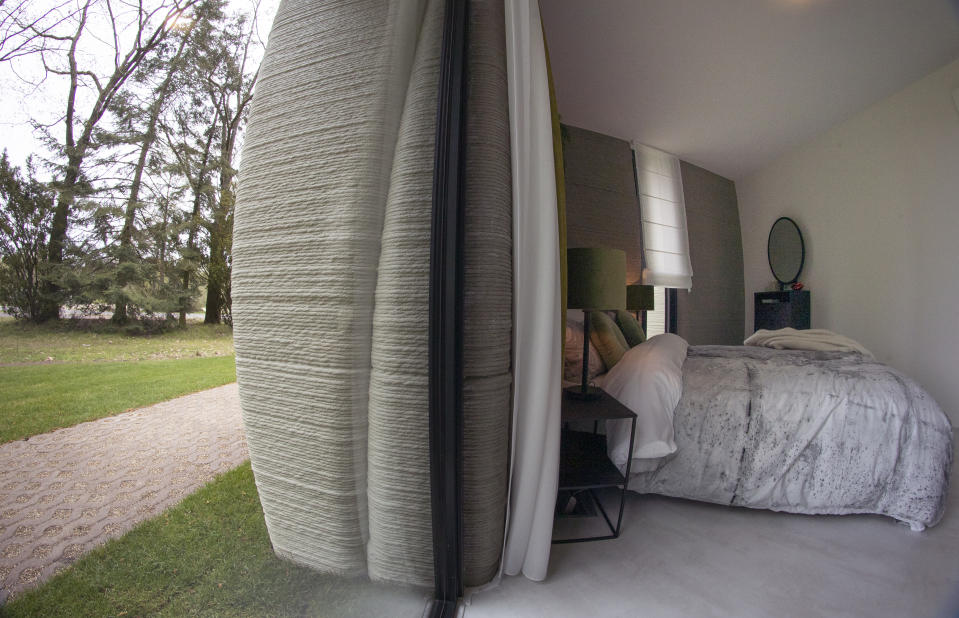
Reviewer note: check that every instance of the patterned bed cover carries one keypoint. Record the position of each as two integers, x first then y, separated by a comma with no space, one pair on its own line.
805,432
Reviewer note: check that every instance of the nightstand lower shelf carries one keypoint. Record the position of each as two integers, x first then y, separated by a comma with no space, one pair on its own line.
584,462
588,506
585,467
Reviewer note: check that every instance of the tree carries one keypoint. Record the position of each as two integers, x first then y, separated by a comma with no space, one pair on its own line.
135,32
23,32
158,92
193,152
229,81
170,67
26,215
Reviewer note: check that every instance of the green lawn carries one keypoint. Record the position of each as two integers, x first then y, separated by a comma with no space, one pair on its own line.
208,556
36,399
93,341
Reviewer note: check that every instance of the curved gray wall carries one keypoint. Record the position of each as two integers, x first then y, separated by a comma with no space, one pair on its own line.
338,104
331,286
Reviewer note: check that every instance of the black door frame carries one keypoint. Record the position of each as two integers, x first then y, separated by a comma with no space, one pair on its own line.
446,316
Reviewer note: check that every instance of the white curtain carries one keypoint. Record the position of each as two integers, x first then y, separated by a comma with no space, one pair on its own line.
536,279
663,210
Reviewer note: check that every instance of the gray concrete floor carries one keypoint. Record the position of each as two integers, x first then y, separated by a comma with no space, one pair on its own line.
683,558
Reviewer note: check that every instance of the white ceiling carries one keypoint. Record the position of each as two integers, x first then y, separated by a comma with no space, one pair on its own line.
731,84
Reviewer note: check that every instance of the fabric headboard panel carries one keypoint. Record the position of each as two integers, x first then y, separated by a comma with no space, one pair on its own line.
602,209
713,311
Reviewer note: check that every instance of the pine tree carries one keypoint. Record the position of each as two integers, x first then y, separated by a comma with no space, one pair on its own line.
57,38
229,81
26,215
168,67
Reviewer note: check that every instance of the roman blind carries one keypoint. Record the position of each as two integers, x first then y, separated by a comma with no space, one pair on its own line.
663,212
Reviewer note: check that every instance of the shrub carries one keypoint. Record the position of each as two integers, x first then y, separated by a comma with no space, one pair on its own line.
26,214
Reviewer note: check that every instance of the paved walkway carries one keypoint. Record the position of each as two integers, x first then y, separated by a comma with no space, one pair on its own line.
65,492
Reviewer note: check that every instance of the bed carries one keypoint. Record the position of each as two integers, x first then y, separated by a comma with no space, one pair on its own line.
799,431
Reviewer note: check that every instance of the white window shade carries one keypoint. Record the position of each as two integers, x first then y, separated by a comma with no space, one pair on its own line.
663,212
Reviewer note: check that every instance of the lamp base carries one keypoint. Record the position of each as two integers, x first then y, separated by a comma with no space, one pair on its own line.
576,392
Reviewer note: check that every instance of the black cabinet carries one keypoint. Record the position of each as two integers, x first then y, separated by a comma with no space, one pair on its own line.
781,309
583,464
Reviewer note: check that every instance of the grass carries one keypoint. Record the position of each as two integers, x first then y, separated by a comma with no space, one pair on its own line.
97,341
62,373
210,555
39,398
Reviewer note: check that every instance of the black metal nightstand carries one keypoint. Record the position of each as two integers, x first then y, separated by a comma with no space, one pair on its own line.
583,463
775,310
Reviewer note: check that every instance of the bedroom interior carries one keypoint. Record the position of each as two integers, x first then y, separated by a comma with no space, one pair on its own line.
860,176
425,439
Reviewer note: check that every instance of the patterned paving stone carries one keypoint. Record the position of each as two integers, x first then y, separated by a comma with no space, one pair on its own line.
65,492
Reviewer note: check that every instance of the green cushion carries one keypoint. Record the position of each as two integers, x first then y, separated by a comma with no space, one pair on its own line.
606,336
630,328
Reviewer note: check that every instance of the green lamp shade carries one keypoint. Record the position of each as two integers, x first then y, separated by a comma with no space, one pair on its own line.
640,298
596,278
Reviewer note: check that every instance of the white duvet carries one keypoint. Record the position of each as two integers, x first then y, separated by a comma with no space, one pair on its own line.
789,430
649,381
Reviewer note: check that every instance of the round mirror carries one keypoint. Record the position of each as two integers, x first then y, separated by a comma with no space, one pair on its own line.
786,250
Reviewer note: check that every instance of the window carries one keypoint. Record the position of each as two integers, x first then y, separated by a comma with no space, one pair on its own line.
656,318
663,211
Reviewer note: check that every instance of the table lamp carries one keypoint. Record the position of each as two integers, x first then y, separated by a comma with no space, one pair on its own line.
640,298
596,281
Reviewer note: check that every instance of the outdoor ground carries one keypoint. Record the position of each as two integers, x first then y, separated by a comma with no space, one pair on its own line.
96,340
208,555
58,375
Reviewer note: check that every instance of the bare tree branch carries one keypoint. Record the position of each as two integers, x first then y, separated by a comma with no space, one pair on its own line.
23,34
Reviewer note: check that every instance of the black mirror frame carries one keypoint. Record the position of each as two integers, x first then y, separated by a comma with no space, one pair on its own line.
802,244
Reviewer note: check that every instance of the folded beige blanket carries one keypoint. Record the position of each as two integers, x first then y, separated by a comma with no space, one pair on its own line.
809,339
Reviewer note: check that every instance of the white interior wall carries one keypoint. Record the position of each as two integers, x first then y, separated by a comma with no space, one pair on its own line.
877,199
